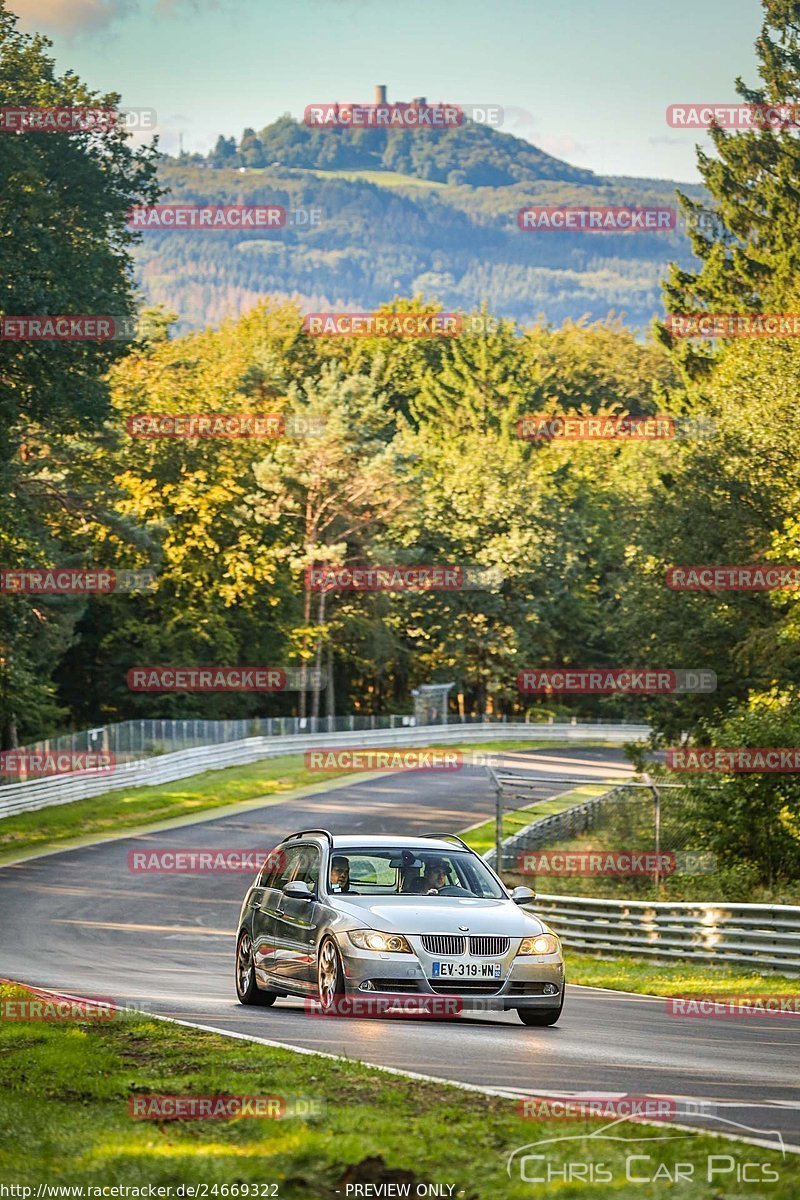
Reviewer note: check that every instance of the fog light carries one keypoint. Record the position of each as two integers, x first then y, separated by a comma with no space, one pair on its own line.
550,989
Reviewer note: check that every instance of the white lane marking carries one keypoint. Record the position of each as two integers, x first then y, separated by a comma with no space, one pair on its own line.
195,930
605,1095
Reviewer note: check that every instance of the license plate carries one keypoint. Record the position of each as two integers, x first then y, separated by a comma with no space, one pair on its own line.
467,970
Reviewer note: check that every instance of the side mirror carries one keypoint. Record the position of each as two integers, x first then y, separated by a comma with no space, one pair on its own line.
298,890
523,895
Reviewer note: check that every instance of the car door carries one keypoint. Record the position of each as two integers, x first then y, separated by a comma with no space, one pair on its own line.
269,894
296,922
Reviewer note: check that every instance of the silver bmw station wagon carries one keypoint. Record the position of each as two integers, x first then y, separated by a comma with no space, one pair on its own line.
335,917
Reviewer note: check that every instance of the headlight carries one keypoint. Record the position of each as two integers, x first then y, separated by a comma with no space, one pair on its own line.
545,943
370,939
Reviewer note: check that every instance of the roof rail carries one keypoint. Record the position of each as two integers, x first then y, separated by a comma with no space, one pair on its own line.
444,836
304,833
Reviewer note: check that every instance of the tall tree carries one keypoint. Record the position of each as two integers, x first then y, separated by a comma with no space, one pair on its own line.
751,262
64,249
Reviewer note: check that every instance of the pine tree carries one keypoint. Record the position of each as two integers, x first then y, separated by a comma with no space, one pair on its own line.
752,262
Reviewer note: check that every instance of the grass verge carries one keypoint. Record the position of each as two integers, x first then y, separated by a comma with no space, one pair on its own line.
65,1119
675,979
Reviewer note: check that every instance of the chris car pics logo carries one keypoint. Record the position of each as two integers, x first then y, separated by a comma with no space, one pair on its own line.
614,1154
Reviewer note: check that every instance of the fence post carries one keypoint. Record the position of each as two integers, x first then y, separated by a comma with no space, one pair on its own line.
498,820
656,831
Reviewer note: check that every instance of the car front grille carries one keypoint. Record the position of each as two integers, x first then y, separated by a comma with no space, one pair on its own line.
466,987
488,947
444,943
451,945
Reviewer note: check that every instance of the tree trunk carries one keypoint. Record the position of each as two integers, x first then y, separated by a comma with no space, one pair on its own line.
318,658
330,700
306,622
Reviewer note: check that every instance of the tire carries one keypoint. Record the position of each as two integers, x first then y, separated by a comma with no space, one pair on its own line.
247,990
541,1016
330,976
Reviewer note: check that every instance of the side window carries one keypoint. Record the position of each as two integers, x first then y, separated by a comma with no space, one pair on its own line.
281,871
308,867
272,869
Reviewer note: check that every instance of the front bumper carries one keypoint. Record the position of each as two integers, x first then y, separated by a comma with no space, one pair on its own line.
527,981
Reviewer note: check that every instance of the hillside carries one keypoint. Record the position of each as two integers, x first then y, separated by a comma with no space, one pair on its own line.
462,154
430,212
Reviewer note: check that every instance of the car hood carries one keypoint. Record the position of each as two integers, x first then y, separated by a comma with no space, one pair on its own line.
442,915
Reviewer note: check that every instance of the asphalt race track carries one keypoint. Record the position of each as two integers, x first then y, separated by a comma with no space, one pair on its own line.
81,922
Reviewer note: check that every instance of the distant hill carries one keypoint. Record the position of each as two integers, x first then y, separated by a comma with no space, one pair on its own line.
462,154
431,212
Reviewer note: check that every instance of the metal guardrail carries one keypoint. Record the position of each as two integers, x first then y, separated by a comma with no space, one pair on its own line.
765,936
761,935
146,737
165,768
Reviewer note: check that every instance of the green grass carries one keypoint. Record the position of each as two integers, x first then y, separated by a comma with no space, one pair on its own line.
64,1120
135,808
674,979
482,837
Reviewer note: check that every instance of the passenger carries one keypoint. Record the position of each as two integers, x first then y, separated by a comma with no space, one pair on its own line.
340,873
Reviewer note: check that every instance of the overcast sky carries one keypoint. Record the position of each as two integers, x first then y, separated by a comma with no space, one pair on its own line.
587,80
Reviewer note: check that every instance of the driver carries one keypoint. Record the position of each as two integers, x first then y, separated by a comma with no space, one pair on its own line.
340,873
433,877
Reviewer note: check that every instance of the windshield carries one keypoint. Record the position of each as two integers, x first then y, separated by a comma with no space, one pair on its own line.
398,871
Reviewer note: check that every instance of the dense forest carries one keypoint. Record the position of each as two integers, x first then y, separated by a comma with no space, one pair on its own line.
415,456
396,213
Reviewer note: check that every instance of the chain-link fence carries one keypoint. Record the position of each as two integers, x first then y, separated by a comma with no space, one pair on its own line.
130,741
629,839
